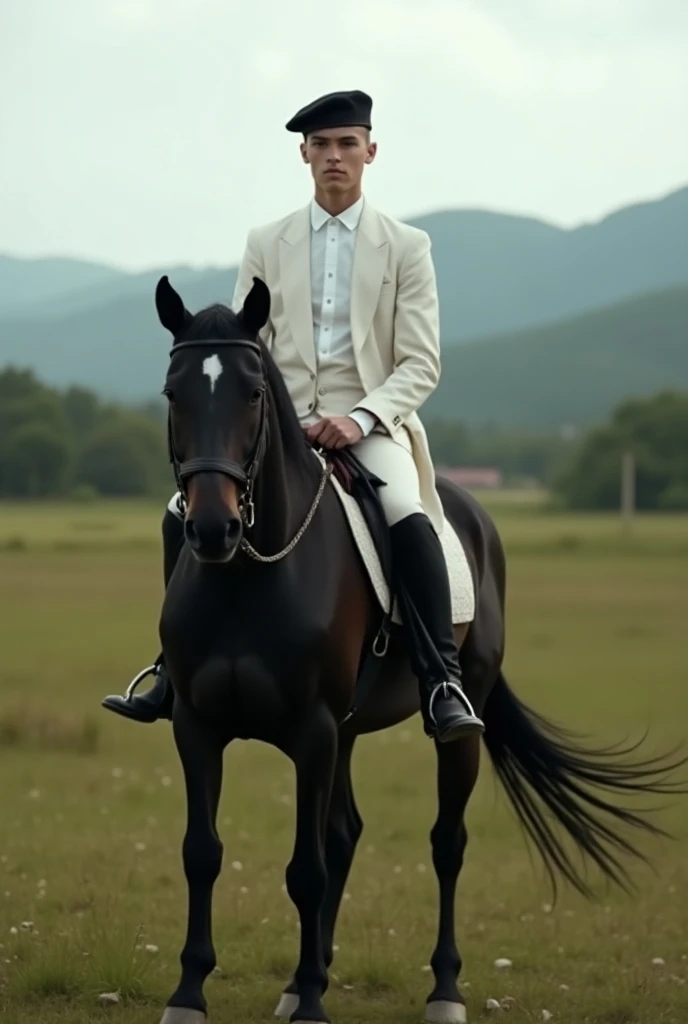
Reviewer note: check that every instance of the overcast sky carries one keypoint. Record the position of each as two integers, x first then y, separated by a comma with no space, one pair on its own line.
148,132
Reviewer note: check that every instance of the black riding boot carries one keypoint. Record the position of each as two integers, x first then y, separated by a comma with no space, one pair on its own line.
158,701
425,603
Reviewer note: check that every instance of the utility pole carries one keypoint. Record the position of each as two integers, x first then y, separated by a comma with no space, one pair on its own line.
627,491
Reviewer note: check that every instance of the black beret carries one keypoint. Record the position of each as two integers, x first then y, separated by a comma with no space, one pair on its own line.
335,110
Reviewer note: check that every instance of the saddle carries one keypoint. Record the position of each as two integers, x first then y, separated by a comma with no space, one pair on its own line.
362,485
357,489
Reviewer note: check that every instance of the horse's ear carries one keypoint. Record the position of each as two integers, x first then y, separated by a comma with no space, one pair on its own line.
170,306
256,309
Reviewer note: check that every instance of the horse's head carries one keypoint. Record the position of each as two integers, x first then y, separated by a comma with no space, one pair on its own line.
216,390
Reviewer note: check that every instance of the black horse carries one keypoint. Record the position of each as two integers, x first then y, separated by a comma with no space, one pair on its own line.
267,619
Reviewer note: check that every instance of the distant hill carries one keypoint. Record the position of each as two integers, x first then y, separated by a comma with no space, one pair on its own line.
495,272
27,284
75,322
568,373
498,274
200,286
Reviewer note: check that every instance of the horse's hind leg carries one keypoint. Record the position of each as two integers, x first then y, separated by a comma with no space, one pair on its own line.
344,827
201,756
457,771
314,755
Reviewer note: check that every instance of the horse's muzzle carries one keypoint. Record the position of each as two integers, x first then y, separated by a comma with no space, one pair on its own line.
213,538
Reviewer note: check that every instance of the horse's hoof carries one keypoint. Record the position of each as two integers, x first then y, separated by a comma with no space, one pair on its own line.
287,1005
441,1011
180,1015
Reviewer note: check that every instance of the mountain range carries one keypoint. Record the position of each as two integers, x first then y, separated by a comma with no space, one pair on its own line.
571,373
541,325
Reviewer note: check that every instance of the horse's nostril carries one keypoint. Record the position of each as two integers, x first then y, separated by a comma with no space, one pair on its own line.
233,531
212,537
190,533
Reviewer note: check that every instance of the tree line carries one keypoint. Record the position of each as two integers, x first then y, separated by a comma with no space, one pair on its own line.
72,444
655,431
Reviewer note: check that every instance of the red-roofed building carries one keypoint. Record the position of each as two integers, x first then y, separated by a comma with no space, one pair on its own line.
488,479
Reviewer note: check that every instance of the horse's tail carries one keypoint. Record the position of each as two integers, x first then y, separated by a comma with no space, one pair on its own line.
548,776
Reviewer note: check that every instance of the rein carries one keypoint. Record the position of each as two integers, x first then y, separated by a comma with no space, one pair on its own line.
257,557
244,475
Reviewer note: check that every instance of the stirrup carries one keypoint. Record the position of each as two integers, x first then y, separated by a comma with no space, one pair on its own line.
445,688
152,670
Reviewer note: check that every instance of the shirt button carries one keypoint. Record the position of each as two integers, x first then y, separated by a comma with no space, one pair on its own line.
321,391
312,376
329,301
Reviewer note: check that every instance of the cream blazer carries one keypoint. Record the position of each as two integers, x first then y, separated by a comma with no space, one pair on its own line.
394,322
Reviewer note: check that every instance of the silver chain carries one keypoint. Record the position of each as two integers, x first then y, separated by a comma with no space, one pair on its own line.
256,556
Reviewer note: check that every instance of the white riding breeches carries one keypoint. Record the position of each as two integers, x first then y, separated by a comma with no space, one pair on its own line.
393,463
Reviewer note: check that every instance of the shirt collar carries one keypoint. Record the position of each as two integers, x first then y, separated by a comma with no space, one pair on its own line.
349,217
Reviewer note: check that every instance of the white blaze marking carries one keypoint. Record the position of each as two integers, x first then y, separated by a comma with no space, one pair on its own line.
212,368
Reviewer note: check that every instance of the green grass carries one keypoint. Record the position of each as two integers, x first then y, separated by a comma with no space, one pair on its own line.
93,807
526,526
89,526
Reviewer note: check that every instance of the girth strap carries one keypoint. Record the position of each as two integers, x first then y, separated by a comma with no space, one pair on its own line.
372,667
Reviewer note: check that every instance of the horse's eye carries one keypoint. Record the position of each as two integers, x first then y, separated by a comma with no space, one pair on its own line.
168,394
256,396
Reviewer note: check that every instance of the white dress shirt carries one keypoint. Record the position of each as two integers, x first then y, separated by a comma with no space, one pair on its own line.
333,240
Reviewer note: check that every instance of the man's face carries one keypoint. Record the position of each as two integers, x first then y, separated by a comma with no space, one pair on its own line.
337,157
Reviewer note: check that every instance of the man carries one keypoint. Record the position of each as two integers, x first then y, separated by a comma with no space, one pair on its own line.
354,329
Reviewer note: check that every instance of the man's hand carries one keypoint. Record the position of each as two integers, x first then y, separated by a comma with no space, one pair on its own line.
334,432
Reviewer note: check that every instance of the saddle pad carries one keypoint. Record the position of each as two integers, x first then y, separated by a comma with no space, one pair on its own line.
460,579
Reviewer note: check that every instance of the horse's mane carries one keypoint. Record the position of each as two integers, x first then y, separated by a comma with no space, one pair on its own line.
219,321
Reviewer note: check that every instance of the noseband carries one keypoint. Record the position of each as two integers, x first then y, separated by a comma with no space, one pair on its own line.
244,475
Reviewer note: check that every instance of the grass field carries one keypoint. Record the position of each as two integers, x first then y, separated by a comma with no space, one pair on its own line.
526,526
92,896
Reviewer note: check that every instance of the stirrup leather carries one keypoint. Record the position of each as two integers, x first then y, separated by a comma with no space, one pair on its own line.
445,688
152,670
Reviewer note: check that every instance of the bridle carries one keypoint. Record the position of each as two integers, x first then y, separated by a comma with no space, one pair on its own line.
244,475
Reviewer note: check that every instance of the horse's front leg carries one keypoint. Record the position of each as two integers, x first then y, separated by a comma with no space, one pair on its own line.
343,830
314,755
201,753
